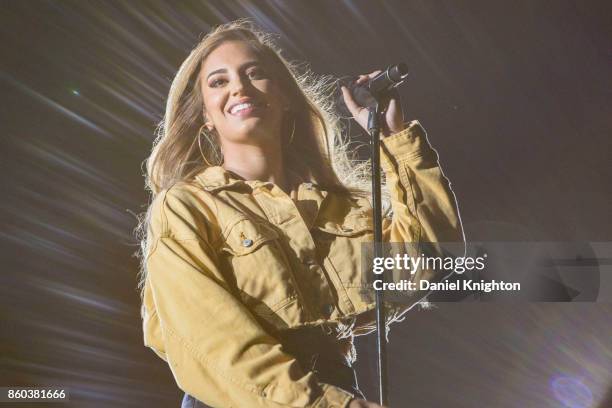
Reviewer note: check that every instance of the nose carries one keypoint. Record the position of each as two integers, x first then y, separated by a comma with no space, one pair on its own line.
238,85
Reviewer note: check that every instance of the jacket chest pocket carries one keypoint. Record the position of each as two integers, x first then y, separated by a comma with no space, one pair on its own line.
259,266
342,246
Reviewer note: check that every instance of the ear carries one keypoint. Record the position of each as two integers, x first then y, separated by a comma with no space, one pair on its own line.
208,123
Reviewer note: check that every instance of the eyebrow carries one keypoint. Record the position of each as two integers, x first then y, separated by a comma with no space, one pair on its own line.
242,67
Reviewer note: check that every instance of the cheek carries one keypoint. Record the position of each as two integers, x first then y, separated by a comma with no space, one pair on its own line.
213,104
275,94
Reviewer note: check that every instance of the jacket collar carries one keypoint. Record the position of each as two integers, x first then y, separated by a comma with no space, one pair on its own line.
307,195
216,178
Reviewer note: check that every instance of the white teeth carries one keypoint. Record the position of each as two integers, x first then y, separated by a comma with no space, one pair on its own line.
240,106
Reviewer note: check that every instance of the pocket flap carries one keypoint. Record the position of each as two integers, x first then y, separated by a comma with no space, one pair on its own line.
245,236
351,226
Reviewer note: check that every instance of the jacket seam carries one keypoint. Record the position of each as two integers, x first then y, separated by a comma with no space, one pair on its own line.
344,296
216,243
411,196
282,303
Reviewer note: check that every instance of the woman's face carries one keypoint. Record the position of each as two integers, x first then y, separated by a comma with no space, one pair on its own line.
242,100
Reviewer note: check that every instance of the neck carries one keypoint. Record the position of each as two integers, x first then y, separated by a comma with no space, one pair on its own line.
254,162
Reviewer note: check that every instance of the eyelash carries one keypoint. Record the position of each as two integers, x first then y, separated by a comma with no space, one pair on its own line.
256,72
215,83
252,74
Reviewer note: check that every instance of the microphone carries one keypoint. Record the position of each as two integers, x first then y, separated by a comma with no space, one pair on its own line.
389,78
367,94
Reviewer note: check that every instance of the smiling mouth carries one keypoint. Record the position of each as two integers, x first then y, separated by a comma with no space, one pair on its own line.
245,108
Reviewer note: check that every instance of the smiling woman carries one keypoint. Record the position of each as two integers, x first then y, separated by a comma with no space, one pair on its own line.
213,70
251,278
245,106
241,90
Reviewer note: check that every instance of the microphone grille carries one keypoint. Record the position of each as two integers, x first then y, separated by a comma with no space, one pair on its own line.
398,72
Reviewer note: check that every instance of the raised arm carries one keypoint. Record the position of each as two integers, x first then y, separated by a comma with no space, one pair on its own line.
424,206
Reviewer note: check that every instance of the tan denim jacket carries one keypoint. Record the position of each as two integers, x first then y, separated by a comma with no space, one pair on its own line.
231,259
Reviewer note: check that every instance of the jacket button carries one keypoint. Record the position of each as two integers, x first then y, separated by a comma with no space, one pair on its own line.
313,266
247,242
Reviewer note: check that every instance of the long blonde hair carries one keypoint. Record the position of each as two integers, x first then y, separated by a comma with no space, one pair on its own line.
317,149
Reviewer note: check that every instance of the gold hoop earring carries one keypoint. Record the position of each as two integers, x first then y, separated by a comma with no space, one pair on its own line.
201,131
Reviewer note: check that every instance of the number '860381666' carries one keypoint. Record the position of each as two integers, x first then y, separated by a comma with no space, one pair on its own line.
36,393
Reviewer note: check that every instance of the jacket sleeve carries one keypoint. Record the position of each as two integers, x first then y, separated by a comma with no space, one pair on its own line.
424,208
215,348
423,204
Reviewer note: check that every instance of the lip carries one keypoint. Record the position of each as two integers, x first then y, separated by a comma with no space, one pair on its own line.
256,105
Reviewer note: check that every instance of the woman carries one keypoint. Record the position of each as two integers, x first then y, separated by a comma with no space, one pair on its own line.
252,288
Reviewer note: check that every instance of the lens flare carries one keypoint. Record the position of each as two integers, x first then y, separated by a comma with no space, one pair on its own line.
571,392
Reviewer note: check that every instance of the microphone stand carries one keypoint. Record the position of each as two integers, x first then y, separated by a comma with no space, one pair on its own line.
374,121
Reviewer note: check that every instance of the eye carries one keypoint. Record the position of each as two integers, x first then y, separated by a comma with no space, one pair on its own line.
256,73
217,82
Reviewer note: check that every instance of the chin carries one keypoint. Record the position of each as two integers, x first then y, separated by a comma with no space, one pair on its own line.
252,131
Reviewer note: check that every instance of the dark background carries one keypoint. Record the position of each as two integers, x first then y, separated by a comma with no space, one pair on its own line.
515,96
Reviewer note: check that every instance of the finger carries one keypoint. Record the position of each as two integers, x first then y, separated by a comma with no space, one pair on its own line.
366,77
374,73
362,79
349,101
